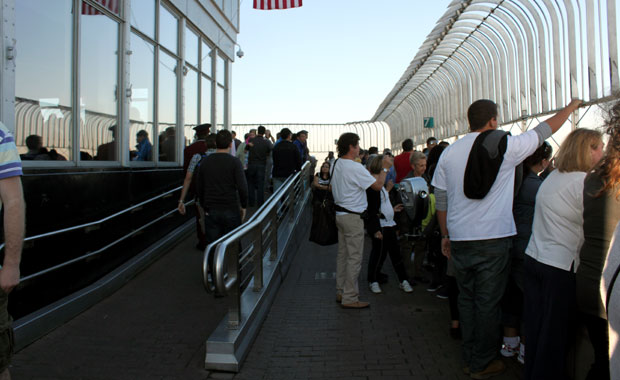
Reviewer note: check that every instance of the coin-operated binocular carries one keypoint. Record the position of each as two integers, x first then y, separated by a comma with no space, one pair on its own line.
414,194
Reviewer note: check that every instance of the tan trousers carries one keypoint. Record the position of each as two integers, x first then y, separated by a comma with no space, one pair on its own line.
350,253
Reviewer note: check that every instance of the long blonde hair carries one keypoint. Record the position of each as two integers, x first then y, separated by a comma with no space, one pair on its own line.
575,154
609,170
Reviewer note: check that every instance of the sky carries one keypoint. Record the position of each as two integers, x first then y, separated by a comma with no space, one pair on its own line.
329,61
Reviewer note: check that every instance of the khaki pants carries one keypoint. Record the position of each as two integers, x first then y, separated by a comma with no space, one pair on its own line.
350,253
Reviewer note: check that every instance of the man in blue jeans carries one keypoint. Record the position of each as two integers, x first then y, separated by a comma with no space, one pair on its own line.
260,148
474,187
222,189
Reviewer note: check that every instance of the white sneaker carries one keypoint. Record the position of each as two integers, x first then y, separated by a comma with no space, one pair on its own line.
521,356
406,287
509,351
374,287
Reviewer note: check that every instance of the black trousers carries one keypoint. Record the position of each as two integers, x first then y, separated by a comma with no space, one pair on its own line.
599,337
549,309
379,252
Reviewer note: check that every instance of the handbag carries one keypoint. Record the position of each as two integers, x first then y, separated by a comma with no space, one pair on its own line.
323,230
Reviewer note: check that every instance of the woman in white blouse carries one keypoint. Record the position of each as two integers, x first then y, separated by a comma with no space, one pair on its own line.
552,256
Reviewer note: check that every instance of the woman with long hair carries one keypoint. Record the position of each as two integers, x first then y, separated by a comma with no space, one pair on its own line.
552,256
382,228
601,213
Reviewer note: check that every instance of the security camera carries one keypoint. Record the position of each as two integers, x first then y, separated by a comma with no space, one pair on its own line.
240,53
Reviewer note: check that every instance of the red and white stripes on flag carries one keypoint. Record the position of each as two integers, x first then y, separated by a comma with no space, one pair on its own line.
111,5
276,4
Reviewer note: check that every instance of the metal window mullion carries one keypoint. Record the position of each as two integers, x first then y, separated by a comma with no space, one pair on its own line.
612,41
214,78
122,127
75,138
227,95
591,42
181,100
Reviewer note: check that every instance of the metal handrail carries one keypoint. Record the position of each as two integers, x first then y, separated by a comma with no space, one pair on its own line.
90,254
250,223
223,277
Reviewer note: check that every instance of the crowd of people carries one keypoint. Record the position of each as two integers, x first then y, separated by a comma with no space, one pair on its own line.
517,240
226,175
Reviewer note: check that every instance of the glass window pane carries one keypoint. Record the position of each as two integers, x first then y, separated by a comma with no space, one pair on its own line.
142,95
205,101
112,6
99,80
143,16
221,70
206,67
221,107
167,106
168,30
43,86
191,99
191,47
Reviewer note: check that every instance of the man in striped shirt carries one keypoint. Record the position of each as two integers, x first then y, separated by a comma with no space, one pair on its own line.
12,199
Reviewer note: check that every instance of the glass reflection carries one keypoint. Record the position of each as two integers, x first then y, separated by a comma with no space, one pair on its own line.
191,47
205,66
168,30
191,98
167,106
43,78
220,107
98,90
221,70
143,87
205,100
143,16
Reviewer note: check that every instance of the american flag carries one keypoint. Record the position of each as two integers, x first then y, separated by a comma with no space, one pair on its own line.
276,4
111,5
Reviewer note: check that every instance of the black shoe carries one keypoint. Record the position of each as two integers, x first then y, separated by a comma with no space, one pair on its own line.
382,278
442,293
433,287
455,333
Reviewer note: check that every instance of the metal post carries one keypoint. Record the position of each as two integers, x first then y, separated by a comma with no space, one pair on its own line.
234,307
257,256
273,216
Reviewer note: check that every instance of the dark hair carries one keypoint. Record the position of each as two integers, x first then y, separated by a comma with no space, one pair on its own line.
373,150
407,145
210,141
432,160
223,139
32,141
142,132
285,133
480,112
428,140
345,141
261,130
542,153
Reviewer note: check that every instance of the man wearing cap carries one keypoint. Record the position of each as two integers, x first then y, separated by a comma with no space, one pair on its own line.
198,147
107,151
301,144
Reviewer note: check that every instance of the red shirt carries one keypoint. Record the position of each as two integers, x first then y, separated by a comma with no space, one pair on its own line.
402,165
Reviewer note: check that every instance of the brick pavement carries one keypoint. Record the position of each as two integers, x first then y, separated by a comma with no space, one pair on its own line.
307,335
155,327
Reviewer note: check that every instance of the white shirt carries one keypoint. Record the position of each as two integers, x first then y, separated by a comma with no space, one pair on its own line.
490,217
557,231
386,209
349,183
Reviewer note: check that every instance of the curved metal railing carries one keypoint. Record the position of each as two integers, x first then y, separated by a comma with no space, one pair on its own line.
94,224
228,268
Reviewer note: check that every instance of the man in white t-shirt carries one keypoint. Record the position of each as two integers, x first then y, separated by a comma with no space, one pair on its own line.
476,233
349,182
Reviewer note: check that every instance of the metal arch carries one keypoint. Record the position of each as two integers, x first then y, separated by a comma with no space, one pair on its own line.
455,79
480,61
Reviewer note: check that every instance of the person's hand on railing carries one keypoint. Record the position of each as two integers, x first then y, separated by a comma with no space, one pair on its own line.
9,277
181,208
242,214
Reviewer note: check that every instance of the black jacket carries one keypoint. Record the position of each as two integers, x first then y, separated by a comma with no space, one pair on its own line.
286,159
